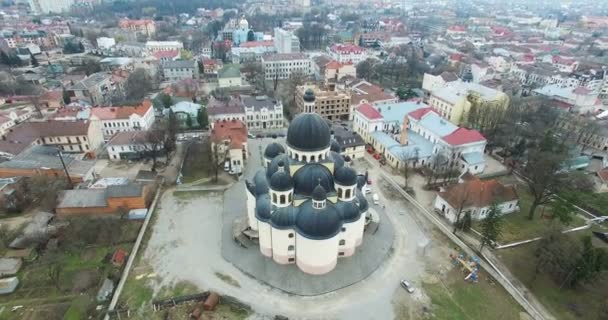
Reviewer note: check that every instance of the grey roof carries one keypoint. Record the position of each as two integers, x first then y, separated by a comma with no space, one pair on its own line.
347,138
91,81
179,64
145,175
82,198
37,156
9,266
125,190
259,102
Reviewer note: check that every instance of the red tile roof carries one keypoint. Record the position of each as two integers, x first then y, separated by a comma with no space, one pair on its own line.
232,130
22,136
110,113
463,136
119,257
478,193
419,113
582,90
252,44
166,54
346,48
369,112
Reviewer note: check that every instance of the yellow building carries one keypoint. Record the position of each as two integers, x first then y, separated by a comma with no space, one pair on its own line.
454,100
330,103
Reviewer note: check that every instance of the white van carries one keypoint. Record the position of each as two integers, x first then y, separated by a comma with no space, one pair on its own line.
227,166
376,199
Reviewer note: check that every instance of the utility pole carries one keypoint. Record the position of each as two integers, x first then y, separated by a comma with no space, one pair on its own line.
67,174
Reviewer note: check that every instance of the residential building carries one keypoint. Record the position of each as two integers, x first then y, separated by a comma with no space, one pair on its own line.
229,109
130,49
231,138
454,100
105,43
366,92
347,53
414,132
184,110
155,46
431,82
229,76
475,196
96,89
37,160
130,145
146,27
285,41
50,6
281,65
180,70
330,103
9,119
121,119
262,112
351,144
166,56
580,100
335,71
318,66
211,66
251,51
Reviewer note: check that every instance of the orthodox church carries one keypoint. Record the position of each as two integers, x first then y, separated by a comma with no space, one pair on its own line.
306,204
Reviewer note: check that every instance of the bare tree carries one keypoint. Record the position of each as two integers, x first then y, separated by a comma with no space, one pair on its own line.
462,199
217,156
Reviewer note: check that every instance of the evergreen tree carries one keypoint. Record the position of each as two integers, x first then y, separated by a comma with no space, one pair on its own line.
202,118
81,46
33,60
188,121
66,97
4,58
490,227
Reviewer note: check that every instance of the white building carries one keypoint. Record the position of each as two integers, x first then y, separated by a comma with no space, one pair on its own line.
475,196
347,53
105,43
581,99
285,41
155,46
122,119
129,145
282,65
179,70
50,6
307,207
262,112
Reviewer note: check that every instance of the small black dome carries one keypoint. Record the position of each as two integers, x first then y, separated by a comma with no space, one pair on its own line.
337,159
308,132
319,193
281,181
311,175
263,207
335,147
346,176
285,217
273,150
274,164
312,224
349,211
261,184
309,95
347,158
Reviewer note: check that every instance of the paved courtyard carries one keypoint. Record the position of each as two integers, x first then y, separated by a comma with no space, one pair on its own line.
186,245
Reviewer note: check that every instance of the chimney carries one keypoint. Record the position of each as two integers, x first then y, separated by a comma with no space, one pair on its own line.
403,139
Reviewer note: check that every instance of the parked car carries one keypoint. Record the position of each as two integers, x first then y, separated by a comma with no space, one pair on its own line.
369,181
227,166
407,286
376,199
259,136
250,136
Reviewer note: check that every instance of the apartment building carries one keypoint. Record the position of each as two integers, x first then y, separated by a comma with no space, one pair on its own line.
347,53
262,112
146,27
97,89
281,65
121,119
155,46
180,70
285,41
331,103
50,6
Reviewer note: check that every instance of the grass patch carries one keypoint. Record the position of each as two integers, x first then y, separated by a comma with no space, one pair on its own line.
596,203
516,226
188,195
588,301
456,299
228,279
136,292
196,163
181,288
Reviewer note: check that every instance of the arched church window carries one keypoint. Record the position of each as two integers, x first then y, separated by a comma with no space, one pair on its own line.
274,197
342,242
282,199
347,194
291,248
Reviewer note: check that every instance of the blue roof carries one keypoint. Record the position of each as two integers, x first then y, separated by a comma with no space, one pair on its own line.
417,145
473,158
436,124
392,112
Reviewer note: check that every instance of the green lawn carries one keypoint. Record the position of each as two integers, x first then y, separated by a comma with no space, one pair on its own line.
516,226
196,163
457,299
595,202
588,301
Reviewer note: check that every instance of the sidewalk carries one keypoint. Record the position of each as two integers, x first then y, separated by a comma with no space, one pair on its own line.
491,264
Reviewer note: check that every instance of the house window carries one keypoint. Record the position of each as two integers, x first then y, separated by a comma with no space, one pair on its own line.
341,254
292,259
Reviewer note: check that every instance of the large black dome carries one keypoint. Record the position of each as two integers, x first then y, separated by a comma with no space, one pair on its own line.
273,150
315,223
307,178
308,132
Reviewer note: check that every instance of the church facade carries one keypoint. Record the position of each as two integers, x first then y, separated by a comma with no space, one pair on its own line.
306,205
